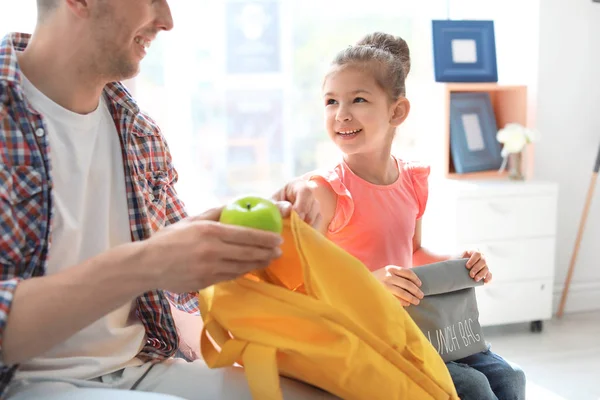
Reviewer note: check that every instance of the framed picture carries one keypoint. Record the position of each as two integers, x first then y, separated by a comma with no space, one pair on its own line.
464,51
473,129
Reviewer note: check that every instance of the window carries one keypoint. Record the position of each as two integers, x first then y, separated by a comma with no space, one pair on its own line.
17,16
235,86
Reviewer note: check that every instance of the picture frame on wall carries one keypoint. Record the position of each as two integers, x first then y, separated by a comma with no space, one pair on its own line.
473,128
464,51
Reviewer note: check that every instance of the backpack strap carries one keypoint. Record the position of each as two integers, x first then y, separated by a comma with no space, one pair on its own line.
259,361
231,351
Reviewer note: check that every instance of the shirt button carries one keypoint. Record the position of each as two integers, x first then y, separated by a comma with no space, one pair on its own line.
39,132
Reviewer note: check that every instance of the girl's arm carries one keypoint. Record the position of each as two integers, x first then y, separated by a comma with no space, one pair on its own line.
477,263
422,256
327,200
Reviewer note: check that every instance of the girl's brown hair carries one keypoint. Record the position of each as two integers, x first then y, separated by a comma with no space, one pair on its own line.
387,56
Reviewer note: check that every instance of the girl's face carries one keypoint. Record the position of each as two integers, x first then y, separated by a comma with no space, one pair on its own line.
359,116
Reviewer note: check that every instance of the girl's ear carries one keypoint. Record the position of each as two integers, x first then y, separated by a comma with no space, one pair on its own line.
399,111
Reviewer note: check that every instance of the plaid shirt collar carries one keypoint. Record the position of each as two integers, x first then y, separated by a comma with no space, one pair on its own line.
10,45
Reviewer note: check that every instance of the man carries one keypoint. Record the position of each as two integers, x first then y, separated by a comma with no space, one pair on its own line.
93,237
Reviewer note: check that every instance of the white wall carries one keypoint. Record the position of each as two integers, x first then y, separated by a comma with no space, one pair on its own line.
568,117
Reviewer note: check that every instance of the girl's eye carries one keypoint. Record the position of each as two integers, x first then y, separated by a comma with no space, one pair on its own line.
330,102
359,100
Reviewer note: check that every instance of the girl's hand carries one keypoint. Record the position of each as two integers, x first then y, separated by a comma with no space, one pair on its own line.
298,195
402,282
477,265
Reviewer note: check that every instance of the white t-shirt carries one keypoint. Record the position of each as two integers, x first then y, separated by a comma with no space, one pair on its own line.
90,217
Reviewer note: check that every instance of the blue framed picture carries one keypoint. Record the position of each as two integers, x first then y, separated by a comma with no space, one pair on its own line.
464,51
473,129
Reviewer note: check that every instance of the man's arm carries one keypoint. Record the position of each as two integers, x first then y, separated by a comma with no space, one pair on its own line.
190,255
48,310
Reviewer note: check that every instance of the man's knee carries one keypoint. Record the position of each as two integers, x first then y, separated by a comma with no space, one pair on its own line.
470,384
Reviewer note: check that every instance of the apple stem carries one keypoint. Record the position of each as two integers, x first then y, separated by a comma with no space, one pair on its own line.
248,206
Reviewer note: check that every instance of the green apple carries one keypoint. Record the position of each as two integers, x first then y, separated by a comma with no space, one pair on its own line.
253,212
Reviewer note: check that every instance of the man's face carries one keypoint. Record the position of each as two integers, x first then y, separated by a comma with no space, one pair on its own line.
122,30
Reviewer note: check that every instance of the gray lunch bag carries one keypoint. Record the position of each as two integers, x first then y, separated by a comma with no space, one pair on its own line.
448,314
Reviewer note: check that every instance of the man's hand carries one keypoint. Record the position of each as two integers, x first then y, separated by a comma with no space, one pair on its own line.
402,282
199,251
477,266
184,257
298,195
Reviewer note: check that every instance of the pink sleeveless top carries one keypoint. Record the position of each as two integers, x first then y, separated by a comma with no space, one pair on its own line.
376,223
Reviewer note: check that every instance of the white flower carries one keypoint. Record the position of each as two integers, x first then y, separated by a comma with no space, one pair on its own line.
515,137
532,135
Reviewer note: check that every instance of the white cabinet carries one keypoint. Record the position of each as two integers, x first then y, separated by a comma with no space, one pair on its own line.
514,225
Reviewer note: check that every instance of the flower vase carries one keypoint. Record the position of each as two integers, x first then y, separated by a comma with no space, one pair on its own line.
515,166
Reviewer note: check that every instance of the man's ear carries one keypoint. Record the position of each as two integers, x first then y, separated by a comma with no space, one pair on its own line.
400,110
80,8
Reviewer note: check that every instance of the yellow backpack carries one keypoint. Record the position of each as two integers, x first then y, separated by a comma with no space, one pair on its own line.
319,316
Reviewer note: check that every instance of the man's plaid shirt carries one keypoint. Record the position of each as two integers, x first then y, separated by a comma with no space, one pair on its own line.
26,198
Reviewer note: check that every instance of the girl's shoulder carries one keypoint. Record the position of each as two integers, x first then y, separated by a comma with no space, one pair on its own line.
333,196
418,174
416,169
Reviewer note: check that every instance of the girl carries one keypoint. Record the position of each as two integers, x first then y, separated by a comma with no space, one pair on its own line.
372,202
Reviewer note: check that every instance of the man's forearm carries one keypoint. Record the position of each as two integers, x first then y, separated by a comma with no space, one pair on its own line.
48,310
